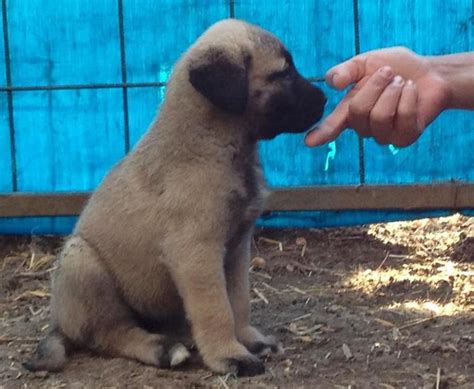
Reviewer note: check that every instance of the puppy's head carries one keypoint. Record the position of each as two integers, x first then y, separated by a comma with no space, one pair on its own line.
245,71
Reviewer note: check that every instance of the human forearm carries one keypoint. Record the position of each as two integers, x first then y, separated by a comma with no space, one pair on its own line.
457,70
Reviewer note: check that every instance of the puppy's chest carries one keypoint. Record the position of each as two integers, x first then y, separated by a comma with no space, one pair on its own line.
246,200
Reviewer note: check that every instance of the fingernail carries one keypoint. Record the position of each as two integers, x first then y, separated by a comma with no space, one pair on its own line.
334,78
308,135
311,130
397,81
386,71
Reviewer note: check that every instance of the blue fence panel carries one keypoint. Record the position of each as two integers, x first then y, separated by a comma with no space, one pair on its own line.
68,139
64,140
429,27
67,42
318,33
158,32
144,104
306,27
37,225
2,51
6,184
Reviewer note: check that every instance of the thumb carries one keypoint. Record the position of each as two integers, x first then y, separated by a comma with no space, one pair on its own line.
330,128
346,73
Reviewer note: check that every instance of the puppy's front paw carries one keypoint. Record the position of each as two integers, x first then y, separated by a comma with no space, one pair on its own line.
257,343
236,360
259,347
246,366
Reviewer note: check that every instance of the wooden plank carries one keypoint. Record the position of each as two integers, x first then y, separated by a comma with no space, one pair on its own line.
410,197
47,204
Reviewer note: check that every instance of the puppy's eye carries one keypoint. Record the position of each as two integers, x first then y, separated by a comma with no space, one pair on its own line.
279,75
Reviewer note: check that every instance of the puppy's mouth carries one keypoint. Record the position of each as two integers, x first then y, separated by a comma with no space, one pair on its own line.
271,132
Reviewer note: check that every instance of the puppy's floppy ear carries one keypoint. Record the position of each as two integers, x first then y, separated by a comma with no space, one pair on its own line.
222,78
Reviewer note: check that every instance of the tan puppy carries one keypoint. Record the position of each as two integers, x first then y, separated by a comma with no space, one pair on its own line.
167,234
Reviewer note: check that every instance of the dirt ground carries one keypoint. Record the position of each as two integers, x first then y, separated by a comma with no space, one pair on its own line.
382,306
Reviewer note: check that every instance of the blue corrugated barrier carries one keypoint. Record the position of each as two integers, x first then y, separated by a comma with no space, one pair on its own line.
66,139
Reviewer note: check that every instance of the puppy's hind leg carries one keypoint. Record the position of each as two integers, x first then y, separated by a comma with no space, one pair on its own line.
130,341
50,354
87,311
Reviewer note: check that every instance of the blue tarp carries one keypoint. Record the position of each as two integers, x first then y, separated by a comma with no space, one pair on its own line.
66,140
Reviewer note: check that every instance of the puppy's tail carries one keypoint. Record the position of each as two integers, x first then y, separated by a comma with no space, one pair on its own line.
51,353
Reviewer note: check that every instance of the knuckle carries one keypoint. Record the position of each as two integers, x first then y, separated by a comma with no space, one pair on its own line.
358,110
403,50
397,144
380,81
406,112
382,140
405,140
400,143
363,132
382,119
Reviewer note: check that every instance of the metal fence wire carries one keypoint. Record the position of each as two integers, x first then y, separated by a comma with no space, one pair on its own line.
125,85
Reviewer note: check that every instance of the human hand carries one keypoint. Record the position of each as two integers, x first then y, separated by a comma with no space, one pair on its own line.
395,95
